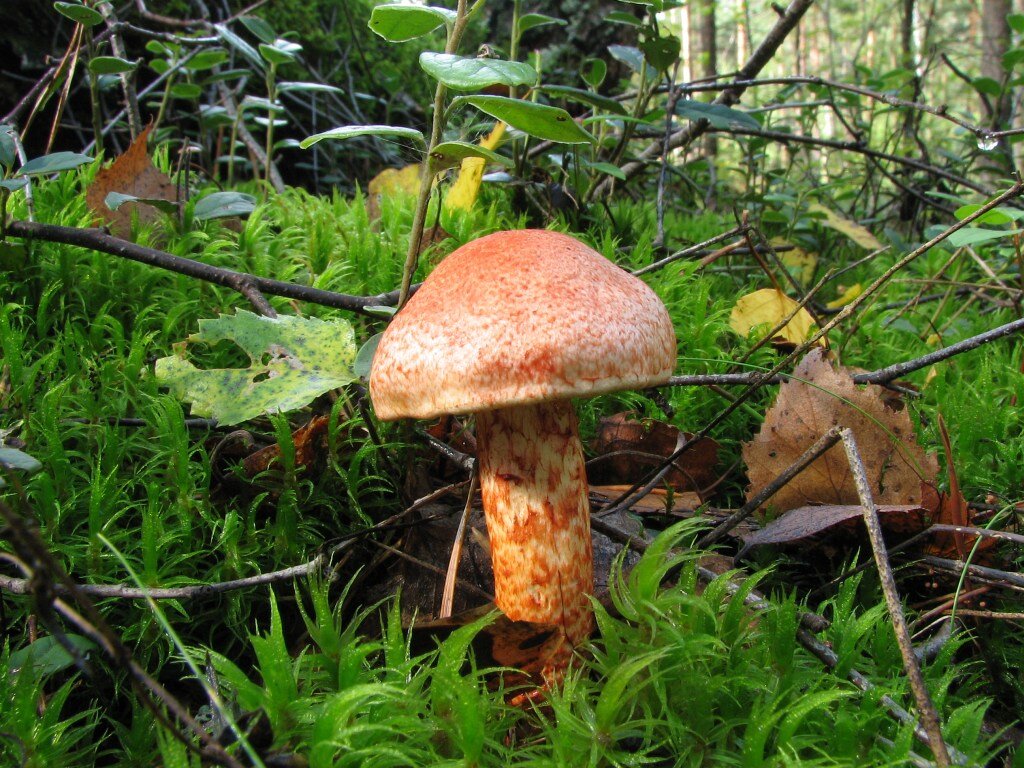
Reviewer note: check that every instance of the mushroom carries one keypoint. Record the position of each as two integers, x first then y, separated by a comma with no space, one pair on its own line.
509,327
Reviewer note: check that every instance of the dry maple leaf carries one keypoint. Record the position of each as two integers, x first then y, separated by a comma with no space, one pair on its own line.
818,398
132,173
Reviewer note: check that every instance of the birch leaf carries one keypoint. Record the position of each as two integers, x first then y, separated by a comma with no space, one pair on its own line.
767,308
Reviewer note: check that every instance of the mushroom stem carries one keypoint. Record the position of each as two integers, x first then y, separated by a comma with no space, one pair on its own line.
534,486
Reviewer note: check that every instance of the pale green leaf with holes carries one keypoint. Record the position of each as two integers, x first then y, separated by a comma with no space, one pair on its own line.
293,360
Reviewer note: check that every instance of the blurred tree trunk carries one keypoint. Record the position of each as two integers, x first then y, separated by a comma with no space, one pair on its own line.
707,32
909,55
995,42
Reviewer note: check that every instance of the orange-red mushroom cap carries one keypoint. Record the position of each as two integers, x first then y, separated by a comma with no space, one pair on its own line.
520,317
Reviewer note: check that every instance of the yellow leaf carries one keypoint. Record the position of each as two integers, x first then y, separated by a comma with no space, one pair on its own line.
859,234
769,307
800,263
393,181
846,297
464,191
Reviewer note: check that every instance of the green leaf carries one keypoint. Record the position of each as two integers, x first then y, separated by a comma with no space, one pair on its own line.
187,91
621,17
221,204
12,458
87,17
538,120
110,65
381,310
975,235
452,153
593,72
529,21
633,58
287,86
207,59
258,102
398,23
157,48
351,131
294,359
364,358
1016,21
48,656
13,185
995,217
8,145
987,86
584,97
661,52
240,45
276,55
462,73
606,168
115,200
52,163
260,28
719,115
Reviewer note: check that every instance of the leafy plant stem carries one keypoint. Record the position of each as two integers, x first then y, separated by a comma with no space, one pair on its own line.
94,94
272,97
426,176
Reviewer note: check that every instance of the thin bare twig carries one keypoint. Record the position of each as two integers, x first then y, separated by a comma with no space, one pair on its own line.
929,714
242,282
820,447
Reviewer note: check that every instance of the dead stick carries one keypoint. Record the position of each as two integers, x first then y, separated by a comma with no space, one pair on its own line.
929,715
821,445
242,282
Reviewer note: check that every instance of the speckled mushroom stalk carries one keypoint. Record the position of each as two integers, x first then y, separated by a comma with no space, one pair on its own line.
510,327
534,487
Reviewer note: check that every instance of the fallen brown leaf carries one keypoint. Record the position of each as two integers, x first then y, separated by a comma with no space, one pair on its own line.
804,522
657,502
628,450
133,173
308,441
818,398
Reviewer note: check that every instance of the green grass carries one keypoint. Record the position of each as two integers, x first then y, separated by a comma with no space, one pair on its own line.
675,676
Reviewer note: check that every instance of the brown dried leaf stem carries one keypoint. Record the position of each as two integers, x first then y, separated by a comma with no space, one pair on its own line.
929,714
448,595
979,572
16,586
